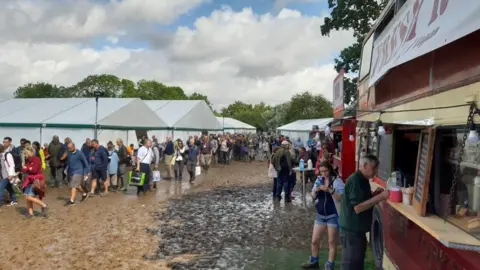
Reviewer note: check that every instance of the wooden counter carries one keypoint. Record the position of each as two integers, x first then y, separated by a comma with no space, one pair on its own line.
446,233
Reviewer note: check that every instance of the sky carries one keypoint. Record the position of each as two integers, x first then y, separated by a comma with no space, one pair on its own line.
247,50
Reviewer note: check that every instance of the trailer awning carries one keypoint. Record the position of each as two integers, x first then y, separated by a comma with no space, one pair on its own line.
429,111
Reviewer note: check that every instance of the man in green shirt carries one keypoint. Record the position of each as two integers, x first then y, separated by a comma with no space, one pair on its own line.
356,214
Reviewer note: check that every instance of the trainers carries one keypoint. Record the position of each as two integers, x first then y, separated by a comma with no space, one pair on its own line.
84,197
69,203
329,266
45,211
310,265
12,203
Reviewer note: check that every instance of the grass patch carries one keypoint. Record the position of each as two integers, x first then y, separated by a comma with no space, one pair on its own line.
281,259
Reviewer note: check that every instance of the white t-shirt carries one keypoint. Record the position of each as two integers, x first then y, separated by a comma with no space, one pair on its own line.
145,155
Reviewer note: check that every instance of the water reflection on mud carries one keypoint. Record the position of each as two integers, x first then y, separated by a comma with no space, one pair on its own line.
230,228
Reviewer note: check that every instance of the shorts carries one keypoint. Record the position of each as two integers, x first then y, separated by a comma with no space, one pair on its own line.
113,179
76,180
168,159
28,191
330,220
99,174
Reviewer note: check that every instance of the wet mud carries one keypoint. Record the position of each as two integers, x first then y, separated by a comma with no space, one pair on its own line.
112,232
231,228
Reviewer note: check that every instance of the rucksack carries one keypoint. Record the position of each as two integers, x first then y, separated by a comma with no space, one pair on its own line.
154,158
16,159
284,163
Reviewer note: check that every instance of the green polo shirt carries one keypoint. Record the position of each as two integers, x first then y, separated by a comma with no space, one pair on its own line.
357,190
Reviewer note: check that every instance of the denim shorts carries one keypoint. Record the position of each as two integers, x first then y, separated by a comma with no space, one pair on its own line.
330,220
28,191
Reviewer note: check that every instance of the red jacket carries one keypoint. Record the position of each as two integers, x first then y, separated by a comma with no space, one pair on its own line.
33,167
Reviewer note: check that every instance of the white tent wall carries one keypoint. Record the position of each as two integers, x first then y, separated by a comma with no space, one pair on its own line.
161,135
17,133
185,118
302,128
235,126
84,113
199,117
106,135
184,135
78,135
131,138
293,135
134,114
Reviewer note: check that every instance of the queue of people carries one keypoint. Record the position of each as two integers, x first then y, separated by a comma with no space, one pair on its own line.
93,169
343,208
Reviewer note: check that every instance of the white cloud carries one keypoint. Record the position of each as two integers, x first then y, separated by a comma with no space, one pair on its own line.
280,4
228,55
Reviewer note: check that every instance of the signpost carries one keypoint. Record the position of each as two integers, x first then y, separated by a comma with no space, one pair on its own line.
338,106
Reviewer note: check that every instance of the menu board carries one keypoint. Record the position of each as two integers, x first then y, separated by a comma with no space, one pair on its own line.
422,167
385,156
422,175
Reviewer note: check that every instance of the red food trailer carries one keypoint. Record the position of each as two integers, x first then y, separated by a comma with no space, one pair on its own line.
344,139
343,130
418,94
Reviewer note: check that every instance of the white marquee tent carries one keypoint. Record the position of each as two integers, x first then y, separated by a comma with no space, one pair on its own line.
41,119
302,128
232,125
184,118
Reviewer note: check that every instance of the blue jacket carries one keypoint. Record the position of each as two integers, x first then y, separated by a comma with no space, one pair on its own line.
325,203
77,163
169,149
86,150
193,152
113,165
100,159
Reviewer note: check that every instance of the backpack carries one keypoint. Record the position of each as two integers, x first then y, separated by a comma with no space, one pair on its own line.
284,163
16,159
154,158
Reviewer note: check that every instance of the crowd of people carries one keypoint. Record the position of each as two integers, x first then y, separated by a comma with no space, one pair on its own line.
343,208
94,170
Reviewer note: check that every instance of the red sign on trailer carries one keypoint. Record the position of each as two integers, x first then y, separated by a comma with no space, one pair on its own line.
338,106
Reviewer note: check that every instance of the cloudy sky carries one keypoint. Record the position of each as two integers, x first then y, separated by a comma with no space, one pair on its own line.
249,50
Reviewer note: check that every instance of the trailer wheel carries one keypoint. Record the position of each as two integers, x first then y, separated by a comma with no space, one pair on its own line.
376,238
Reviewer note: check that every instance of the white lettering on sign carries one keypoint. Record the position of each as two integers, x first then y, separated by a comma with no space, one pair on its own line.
422,26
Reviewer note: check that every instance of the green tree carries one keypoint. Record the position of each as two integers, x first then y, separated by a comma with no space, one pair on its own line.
357,16
235,108
129,89
251,114
275,116
153,90
110,85
308,106
40,90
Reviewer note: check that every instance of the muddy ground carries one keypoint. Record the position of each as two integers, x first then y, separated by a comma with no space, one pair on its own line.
112,232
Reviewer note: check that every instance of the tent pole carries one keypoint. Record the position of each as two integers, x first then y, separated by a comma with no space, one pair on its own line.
96,118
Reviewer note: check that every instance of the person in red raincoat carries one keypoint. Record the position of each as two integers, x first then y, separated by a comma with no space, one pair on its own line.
33,169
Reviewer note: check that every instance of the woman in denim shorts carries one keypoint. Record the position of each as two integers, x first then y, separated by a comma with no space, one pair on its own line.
326,218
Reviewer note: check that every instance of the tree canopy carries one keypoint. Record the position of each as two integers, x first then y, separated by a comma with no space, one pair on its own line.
358,16
262,116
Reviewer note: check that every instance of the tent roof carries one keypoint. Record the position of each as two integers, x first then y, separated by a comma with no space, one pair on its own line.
306,125
231,123
113,113
185,114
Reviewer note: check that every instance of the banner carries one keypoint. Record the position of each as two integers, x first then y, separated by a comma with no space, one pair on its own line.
338,95
419,27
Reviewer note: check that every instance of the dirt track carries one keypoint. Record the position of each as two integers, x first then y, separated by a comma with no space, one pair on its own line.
103,233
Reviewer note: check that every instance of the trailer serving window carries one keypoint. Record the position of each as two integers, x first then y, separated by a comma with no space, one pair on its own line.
464,208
